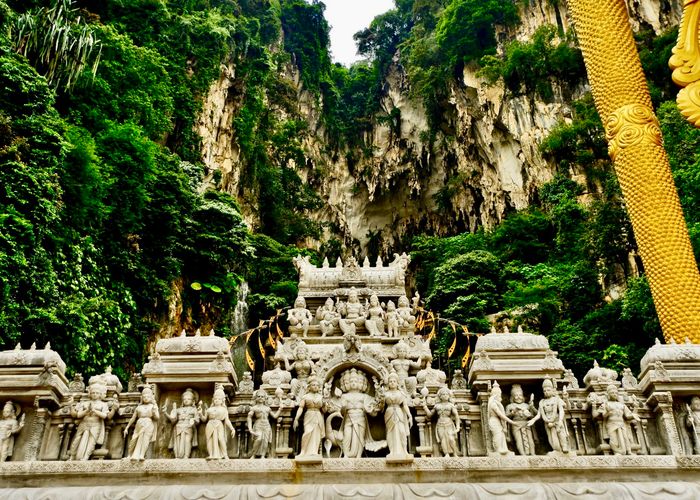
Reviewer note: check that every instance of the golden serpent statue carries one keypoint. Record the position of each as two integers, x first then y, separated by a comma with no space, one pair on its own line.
636,148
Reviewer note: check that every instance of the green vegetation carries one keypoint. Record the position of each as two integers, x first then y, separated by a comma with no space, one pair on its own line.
546,267
106,224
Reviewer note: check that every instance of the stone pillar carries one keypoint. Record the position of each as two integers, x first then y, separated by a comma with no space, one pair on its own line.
663,401
37,433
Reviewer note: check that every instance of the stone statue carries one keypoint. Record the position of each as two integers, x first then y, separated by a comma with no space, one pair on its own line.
397,418
448,424
520,413
302,367
217,420
459,383
401,365
353,311
91,429
375,317
497,421
146,416
551,411
9,427
629,381
392,320
406,317
299,316
614,413
246,386
259,424
108,379
328,317
277,376
570,379
430,375
185,420
354,405
415,302
311,406
692,422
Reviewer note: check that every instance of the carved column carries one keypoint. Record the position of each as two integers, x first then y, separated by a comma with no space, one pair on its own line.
663,401
635,146
282,449
37,434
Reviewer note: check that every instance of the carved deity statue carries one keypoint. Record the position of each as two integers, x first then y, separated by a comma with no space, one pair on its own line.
277,376
354,405
91,429
9,427
448,423
302,367
353,311
520,413
397,418
392,320
429,375
497,420
311,406
328,317
259,424
551,411
146,416
217,420
614,413
185,420
375,317
692,422
299,316
402,365
406,317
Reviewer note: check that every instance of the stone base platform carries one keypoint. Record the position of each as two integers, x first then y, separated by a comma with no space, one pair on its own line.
618,478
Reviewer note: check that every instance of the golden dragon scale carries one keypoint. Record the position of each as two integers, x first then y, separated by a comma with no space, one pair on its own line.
636,148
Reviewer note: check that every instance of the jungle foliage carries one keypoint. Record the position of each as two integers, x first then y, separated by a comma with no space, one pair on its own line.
106,225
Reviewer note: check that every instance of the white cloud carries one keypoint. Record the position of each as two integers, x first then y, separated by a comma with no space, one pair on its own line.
346,18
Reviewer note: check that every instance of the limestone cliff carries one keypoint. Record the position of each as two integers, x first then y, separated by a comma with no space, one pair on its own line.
484,163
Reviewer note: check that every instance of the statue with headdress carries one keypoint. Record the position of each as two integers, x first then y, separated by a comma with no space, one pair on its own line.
218,421
146,416
92,415
551,412
9,427
185,420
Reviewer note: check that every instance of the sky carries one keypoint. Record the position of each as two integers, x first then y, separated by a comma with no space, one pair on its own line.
346,18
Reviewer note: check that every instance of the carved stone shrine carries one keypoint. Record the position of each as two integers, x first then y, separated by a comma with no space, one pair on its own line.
352,405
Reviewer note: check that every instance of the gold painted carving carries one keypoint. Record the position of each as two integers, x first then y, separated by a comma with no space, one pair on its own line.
622,99
632,125
685,62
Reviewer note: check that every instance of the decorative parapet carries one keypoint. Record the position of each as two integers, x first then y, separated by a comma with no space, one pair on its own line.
385,281
513,357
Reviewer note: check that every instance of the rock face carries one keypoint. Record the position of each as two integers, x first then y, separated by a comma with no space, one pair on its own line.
484,162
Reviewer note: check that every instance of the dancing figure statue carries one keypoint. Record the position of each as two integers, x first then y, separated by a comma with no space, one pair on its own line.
448,423
259,424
